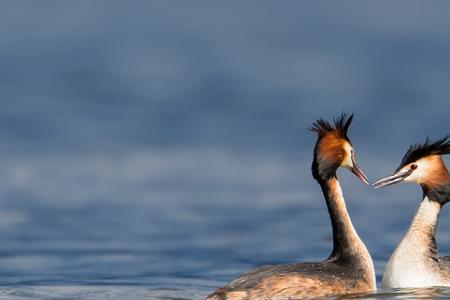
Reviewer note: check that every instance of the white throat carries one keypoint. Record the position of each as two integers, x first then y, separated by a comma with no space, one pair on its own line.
412,264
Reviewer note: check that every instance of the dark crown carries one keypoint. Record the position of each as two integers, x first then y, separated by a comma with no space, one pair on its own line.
418,151
341,125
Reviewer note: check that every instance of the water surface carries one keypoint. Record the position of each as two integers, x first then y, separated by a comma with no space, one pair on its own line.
157,150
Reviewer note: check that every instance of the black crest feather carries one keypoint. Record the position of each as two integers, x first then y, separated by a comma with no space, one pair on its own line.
341,125
429,147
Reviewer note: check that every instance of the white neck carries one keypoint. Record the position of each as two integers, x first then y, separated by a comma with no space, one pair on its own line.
414,262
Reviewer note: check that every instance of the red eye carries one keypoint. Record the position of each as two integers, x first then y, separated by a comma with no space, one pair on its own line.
413,166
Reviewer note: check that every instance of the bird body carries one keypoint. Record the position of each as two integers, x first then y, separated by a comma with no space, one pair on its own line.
349,269
415,262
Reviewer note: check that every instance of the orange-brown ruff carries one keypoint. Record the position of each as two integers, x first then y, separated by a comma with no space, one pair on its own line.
415,262
349,269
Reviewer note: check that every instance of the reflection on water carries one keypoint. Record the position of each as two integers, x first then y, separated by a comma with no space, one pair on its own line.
416,293
187,292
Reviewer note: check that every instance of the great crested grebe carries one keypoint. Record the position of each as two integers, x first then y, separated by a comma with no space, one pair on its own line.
349,269
415,262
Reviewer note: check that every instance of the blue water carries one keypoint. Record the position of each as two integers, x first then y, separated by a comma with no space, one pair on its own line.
156,150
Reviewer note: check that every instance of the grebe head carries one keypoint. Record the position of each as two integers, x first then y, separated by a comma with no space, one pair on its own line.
334,149
423,165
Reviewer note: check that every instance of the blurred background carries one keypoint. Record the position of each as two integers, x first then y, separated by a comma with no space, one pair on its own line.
163,146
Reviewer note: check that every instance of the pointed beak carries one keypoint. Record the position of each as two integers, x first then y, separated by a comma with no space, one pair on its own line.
392,179
358,172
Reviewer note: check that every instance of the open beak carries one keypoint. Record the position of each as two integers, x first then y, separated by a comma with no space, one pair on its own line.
392,179
358,172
